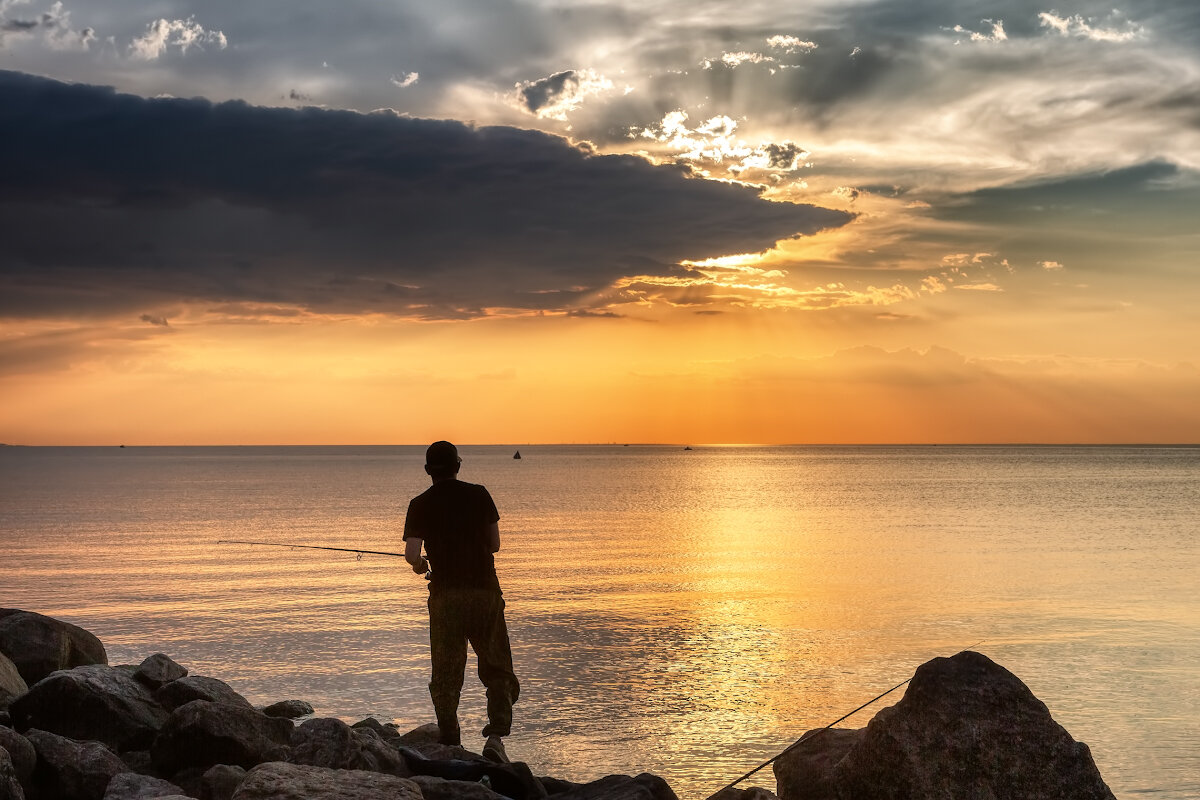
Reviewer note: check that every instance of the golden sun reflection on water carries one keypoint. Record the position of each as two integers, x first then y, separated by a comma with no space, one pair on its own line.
683,613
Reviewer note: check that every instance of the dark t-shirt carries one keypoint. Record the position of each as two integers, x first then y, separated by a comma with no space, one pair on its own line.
453,518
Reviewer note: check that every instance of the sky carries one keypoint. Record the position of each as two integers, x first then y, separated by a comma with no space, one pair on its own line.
491,221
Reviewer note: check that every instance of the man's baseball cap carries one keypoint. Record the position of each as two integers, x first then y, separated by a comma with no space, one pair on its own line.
442,454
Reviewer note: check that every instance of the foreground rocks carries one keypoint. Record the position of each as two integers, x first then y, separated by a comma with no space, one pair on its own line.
966,728
39,645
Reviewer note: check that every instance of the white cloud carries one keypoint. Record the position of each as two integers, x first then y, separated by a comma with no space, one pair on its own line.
790,44
737,59
1051,265
980,287
1083,28
405,80
997,33
713,141
184,34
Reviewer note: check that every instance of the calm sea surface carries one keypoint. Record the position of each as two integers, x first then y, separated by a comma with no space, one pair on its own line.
687,613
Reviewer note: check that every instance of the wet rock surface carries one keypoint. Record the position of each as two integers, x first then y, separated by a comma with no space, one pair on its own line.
70,770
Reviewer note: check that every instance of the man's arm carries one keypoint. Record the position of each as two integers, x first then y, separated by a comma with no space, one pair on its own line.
494,537
412,554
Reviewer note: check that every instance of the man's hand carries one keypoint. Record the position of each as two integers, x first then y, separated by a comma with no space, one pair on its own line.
421,567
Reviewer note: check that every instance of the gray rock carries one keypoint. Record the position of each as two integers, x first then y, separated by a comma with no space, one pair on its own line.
10,787
91,702
753,793
291,709
810,763
442,789
221,781
39,645
159,669
333,744
277,781
132,786
387,732
965,728
198,687
621,787
21,751
201,734
71,770
11,683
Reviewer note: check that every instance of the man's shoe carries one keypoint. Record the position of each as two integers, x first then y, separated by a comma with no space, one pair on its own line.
493,750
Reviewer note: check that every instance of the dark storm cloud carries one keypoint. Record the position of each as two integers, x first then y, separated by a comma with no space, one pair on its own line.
113,203
536,95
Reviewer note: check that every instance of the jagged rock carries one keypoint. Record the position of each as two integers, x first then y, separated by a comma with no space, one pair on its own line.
10,787
11,683
221,781
753,793
514,780
198,687
442,789
190,780
92,702
965,728
39,645
290,709
201,734
276,781
424,740
621,787
810,763
159,669
333,744
387,732
21,751
132,786
71,770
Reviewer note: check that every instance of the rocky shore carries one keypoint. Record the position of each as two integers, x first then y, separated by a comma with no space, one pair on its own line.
74,728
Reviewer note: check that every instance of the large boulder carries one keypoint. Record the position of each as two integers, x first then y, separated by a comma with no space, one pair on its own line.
809,763
71,770
39,645
132,786
11,683
10,787
159,669
21,751
966,727
198,687
276,781
333,744
201,734
95,702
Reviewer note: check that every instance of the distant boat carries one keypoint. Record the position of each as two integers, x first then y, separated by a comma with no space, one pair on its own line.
517,454
689,447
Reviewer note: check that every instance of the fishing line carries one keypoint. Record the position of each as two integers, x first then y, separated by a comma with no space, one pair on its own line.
360,553
813,733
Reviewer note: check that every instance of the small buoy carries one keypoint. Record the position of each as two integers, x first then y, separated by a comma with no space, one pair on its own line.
517,454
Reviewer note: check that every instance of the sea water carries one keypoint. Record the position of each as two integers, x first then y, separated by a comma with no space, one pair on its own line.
683,612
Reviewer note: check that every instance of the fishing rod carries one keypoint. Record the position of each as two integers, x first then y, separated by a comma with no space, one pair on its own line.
356,550
814,733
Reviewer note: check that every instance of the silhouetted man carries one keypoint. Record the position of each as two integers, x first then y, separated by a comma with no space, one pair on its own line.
458,525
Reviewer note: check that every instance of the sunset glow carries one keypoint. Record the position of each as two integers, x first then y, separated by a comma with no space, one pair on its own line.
825,224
